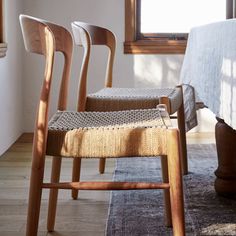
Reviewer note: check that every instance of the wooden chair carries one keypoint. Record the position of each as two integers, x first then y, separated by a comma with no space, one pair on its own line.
94,135
115,99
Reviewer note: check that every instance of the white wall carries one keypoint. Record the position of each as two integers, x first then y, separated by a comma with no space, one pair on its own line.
129,70
11,78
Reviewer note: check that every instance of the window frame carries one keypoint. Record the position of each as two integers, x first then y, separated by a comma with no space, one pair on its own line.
3,44
137,43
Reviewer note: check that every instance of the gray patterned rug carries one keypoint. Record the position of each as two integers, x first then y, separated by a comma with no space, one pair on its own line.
140,213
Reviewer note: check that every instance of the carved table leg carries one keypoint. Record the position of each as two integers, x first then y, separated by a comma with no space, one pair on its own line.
225,183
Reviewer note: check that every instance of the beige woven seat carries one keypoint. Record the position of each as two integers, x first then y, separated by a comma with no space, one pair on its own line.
114,99
94,135
105,134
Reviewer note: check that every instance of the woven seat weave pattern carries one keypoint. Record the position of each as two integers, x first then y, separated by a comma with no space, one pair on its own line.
114,99
69,120
106,134
130,93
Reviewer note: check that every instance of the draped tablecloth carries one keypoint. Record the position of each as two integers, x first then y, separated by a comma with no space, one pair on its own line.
210,68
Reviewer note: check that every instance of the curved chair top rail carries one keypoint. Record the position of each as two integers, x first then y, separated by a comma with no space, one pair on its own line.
98,35
31,28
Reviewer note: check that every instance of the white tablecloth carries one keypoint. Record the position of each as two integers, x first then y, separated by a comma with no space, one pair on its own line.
210,67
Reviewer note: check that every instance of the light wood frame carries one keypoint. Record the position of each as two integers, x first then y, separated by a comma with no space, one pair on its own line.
134,45
46,38
3,45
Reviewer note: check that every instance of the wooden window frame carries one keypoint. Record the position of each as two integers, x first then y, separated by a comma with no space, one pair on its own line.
136,43
3,44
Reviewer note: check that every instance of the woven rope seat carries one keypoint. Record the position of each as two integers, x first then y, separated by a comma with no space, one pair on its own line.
114,99
69,133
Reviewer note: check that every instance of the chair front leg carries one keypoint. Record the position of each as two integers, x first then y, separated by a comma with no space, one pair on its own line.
35,193
175,180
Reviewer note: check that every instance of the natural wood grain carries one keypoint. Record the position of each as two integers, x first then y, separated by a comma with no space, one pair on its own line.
134,45
106,185
225,183
87,35
3,44
42,37
175,180
1,21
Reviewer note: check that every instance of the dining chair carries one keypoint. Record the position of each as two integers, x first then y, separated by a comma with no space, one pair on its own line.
74,134
115,99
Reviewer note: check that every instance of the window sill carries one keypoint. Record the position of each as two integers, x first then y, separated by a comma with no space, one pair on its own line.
3,49
158,46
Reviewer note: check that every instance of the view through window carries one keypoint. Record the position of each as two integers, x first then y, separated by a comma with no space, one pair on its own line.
171,16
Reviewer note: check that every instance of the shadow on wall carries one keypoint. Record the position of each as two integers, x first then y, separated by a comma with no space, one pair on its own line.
157,70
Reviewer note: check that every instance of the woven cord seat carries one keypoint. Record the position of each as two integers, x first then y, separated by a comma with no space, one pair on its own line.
94,135
115,99
105,134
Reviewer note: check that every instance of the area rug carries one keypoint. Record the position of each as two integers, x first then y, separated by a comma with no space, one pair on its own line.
140,213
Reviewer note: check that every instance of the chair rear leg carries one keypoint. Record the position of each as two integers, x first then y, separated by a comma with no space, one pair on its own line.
76,176
52,206
175,180
165,179
181,125
35,193
102,163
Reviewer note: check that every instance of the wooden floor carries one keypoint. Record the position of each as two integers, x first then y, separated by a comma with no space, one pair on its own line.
86,216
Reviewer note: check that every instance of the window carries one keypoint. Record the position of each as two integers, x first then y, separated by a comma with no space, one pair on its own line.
3,45
162,26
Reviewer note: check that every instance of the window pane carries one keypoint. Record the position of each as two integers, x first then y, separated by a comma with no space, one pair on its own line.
172,16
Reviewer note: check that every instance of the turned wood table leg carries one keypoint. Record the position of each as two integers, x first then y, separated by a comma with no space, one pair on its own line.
225,183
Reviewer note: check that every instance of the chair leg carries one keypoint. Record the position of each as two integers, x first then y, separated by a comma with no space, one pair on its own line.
181,125
102,163
52,206
165,179
175,180
76,175
35,193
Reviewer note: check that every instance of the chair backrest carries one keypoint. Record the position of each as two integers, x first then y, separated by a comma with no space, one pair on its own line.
86,35
46,38
43,37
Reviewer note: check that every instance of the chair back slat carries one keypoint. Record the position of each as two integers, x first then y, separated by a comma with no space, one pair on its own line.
86,35
98,35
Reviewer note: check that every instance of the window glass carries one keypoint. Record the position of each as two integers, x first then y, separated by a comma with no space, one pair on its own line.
171,16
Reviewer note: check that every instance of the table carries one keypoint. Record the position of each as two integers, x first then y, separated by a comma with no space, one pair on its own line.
210,67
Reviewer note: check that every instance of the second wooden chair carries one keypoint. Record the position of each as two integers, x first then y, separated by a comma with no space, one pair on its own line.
115,99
